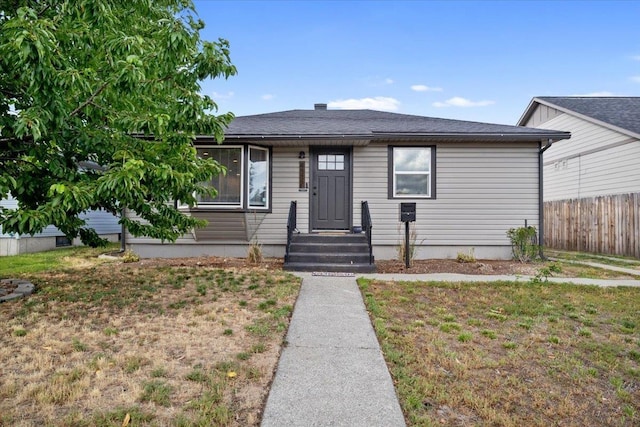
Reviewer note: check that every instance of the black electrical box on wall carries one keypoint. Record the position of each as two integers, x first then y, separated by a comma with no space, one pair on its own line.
407,212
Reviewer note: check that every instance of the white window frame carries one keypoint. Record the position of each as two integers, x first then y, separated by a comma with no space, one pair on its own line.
267,177
430,173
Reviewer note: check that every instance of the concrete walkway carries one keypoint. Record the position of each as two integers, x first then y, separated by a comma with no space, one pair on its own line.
332,372
629,271
454,277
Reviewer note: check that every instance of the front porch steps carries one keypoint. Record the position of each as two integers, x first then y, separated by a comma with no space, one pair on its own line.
329,253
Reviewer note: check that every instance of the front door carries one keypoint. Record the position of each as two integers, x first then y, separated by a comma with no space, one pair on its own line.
331,188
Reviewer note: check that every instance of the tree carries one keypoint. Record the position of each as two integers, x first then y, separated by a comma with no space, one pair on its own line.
99,105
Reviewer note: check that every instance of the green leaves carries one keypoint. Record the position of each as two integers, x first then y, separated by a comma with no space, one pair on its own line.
114,84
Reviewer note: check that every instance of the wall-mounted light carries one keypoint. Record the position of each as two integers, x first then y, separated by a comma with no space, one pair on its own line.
301,155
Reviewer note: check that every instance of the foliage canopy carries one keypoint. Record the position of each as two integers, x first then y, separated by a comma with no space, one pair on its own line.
99,105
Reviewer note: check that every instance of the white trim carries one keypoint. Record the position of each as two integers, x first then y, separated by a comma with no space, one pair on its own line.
427,173
267,177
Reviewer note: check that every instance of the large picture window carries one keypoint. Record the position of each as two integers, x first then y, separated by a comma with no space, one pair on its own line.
246,183
411,172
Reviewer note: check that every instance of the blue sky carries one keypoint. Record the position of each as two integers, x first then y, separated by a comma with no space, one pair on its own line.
480,61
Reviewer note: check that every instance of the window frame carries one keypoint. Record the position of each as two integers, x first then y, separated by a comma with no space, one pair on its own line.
267,205
391,178
244,205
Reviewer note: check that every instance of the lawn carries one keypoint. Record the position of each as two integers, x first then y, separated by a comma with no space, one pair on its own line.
510,354
142,344
11,266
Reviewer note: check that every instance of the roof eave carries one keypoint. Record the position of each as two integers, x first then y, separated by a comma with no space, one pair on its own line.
528,112
531,109
498,136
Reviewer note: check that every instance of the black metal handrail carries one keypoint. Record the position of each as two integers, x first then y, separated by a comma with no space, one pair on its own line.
367,225
291,226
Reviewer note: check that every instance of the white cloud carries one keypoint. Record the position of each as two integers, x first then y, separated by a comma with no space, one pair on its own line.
636,57
267,97
635,79
457,101
228,95
423,88
388,81
601,93
375,103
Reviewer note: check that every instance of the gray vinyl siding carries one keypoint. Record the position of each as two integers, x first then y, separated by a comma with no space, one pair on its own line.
273,229
103,222
595,161
482,191
267,228
541,115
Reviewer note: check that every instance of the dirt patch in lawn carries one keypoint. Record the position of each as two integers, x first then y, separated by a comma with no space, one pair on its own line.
425,266
495,267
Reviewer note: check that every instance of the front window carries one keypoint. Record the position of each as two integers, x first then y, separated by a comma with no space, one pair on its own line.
258,177
229,185
411,172
246,182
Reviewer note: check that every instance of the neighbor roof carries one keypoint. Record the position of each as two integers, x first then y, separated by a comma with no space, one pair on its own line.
619,113
370,124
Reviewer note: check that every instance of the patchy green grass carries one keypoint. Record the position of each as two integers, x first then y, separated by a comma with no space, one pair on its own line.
510,354
57,259
151,343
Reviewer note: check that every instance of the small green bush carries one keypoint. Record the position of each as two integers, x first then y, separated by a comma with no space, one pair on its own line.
524,243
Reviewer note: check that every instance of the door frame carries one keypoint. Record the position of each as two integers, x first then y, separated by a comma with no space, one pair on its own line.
314,151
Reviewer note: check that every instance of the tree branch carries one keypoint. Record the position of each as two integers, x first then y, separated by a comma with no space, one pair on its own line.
90,100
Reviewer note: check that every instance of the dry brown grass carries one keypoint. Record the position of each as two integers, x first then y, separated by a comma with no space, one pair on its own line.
510,354
166,345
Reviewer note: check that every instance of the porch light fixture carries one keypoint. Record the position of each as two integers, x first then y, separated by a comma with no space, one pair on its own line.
301,155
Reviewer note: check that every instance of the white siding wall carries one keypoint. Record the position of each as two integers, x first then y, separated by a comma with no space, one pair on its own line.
595,161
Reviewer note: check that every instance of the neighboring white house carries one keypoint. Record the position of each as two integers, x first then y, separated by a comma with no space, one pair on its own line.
591,183
105,224
470,182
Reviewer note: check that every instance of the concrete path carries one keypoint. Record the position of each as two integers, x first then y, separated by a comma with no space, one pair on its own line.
332,372
629,271
454,277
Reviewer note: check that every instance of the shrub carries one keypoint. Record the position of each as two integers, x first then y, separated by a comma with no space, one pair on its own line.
466,258
254,255
130,256
524,243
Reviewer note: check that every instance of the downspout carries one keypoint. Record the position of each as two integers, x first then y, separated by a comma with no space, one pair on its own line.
541,151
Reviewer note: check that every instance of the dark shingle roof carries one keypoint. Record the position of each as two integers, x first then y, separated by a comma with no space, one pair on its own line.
368,123
621,112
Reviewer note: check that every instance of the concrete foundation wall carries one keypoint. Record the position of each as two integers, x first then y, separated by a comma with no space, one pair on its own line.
380,252
11,246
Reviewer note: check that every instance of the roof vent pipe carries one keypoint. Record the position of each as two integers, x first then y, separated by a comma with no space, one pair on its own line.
319,106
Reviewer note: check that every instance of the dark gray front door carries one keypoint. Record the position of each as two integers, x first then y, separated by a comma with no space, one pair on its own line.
331,189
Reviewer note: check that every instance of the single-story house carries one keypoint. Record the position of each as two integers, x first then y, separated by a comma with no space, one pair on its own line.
591,185
346,170
105,224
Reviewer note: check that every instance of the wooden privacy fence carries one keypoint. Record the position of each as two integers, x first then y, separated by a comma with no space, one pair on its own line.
604,224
